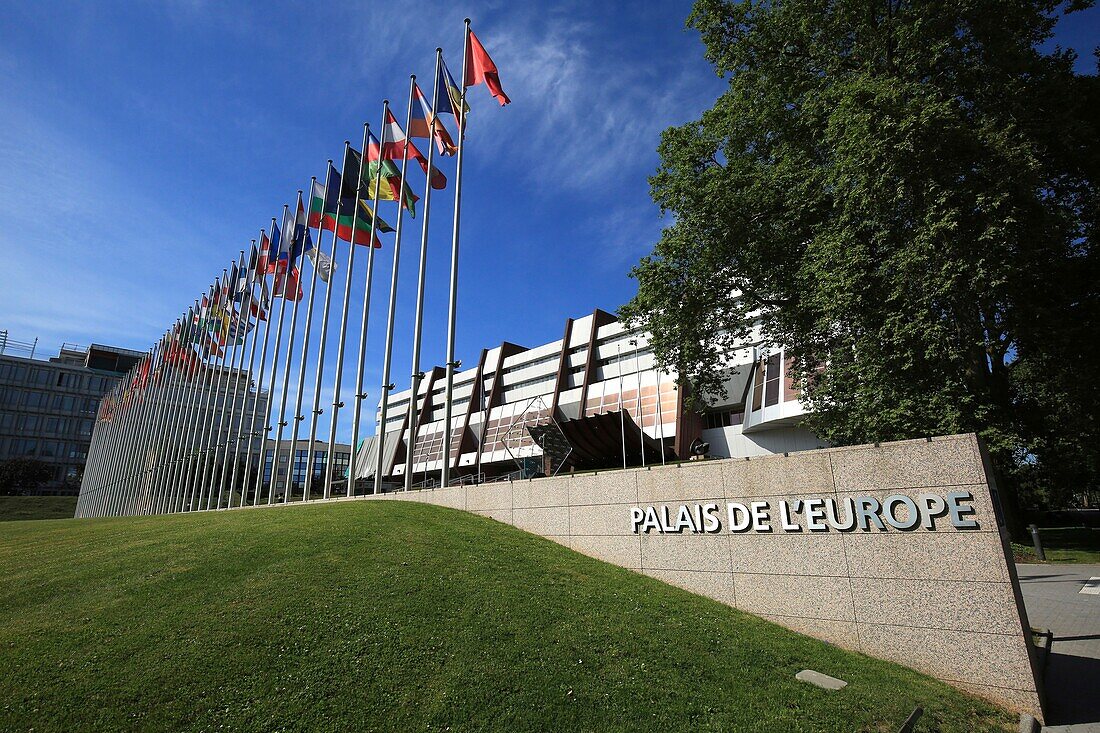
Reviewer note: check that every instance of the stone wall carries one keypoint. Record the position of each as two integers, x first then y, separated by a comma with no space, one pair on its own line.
944,601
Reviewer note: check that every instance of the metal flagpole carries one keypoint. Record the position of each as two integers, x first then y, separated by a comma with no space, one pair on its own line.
114,438
124,483
152,439
126,486
195,487
275,364
622,417
171,428
418,323
166,387
660,416
202,392
453,304
186,426
282,423
265,308
337,403
301,372
161,407
228,394
316,412
388,358
641,415
232,433
114,444
125,474
104,462
360,395
217,423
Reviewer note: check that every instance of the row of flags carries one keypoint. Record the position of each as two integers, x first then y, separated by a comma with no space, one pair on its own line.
344,202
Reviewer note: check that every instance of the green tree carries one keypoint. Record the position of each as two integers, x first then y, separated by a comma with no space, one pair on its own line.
905,192
18,475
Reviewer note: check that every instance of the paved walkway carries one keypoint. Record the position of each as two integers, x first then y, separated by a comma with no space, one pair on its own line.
1052,594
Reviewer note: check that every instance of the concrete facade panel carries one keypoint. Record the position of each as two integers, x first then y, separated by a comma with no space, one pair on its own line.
828,598
549,521
933,556
489,496
672,483
692,552
953,604
947,461
786,554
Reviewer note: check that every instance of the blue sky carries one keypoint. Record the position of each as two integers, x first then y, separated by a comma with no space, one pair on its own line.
143,144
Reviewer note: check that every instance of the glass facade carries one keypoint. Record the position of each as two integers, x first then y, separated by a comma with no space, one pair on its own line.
48,409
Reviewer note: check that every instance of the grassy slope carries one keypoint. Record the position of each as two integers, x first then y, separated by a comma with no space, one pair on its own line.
37,507
399,616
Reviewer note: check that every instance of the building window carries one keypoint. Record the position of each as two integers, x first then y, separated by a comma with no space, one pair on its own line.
23,446
725,418
771,381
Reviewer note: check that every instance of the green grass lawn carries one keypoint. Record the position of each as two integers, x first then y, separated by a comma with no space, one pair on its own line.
36,507
1063,545
404,617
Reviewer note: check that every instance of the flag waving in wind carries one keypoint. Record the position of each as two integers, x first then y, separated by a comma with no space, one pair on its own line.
396,145
480,68
425,124
331,206
385,175
448,97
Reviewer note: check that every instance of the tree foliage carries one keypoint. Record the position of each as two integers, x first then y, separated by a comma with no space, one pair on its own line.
906,192
18,475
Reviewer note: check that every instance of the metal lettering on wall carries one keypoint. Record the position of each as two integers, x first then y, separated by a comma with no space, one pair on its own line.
863,513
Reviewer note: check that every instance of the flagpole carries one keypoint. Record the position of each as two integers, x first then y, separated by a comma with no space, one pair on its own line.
360,395
453,304
183,419
195,487
641,415
622,416
337,403
275,368
198,385
152,441
227,389
224,378
162,410
130,454
198,422
243,316
418,322
317,411
388,358
247,385
298,416
164,413
173,424
266,302
125,482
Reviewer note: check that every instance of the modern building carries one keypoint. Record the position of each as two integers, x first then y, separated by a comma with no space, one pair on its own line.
48,406
592,399
341,461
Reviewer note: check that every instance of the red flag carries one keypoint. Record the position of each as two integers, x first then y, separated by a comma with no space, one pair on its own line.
480,68
288,287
